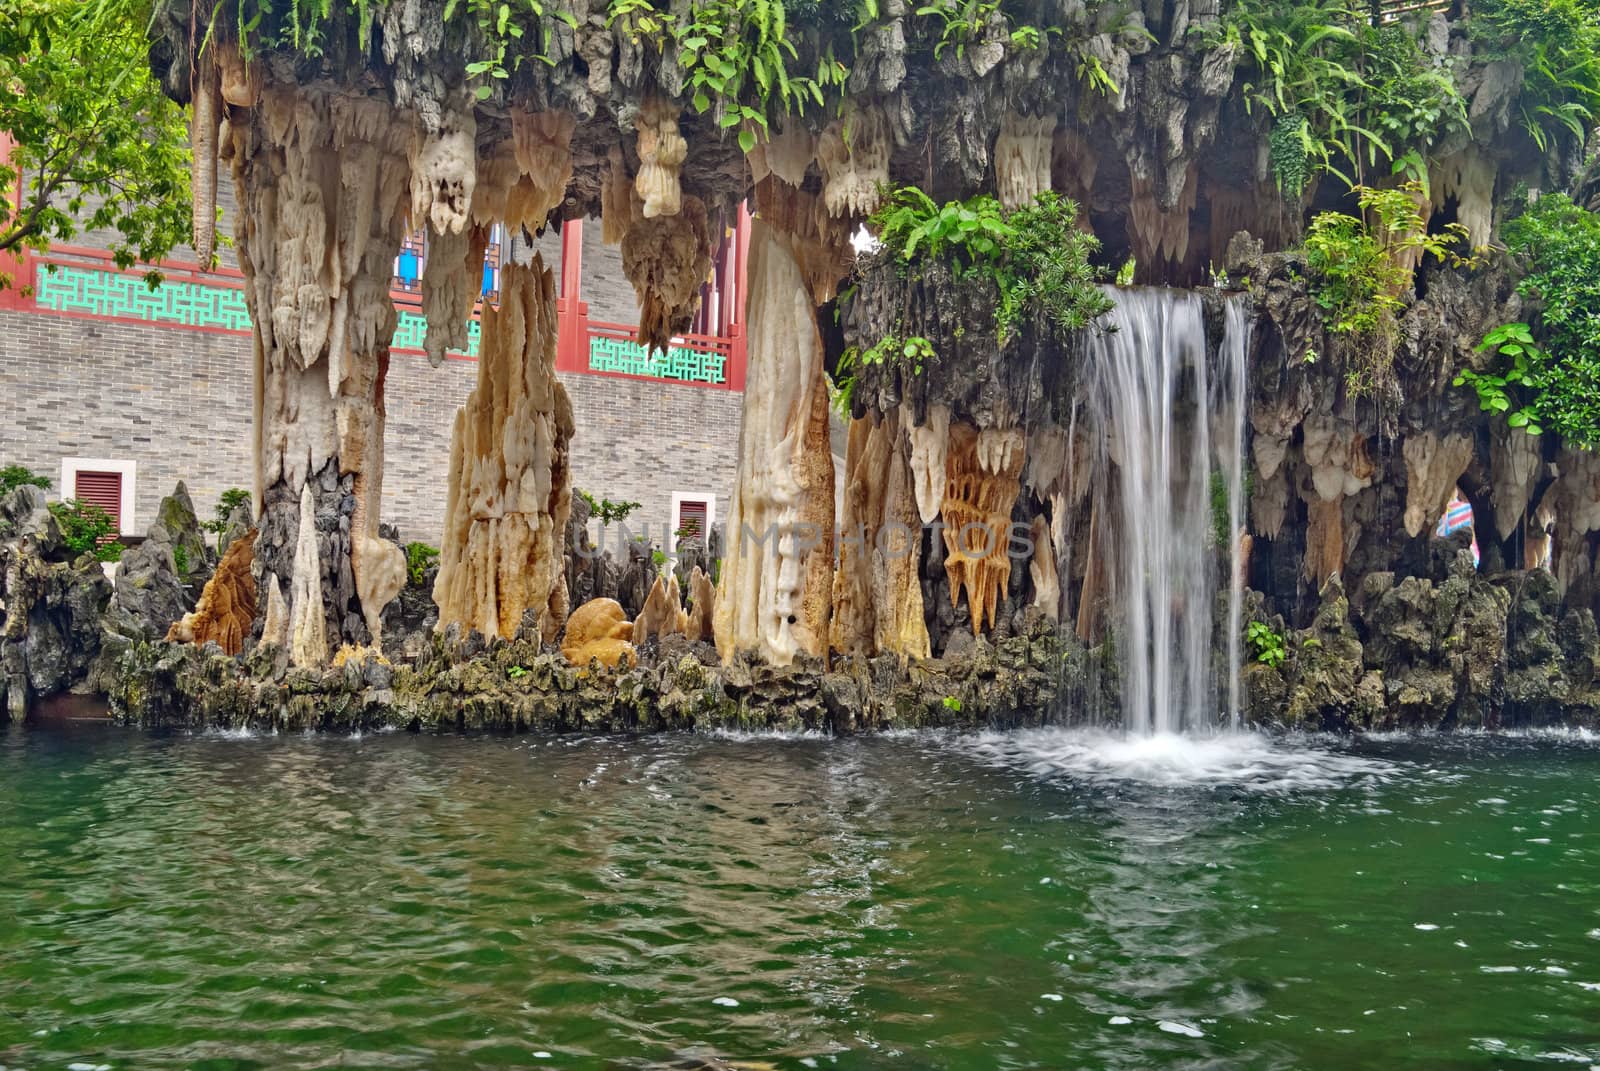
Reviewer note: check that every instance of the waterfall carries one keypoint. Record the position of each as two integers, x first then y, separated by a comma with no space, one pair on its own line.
1233,358
1152,409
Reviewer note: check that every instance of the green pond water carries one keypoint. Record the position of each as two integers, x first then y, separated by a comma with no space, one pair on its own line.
1037,900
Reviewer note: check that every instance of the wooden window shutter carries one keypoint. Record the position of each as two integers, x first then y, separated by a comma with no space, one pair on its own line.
104,489
692,521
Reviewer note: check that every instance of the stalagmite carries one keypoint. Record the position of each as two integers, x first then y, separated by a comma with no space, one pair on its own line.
1432,468
308,640
599,630
1042,570
1514,462
661,153
226,611
509,484
776,577
853,154
928,442
322,186
667,258
1022,158
982,478
662,614
877,591
703,603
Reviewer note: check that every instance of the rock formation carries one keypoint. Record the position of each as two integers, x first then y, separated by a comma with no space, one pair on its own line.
226,611
599,630
509,485
983,476
774,593
663,613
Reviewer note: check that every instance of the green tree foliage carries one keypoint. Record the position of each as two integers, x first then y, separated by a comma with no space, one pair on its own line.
227,502
1549,380
1558,44
87,529
15,476
418,557
98,146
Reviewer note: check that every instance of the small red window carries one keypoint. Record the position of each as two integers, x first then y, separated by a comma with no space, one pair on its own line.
104,489
692,521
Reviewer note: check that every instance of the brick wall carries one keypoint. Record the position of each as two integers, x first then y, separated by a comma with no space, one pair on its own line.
177,402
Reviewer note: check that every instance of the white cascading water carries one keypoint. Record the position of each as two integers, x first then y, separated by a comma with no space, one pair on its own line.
1152,408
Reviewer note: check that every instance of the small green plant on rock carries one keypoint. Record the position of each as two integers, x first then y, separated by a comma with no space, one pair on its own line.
952,704
180,559
418,557
15,476
516,673
230,500
606,511
87,529
1359,274
1266,644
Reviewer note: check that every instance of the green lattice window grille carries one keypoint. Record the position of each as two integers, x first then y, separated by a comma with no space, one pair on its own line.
607,354
93,292
105,293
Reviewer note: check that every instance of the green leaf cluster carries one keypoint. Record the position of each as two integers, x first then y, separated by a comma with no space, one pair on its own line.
15,476
1036,256
605,510
911,353
418,557
1345,96
1266,644
1557,42
87,529
98,146
1550,381
227,502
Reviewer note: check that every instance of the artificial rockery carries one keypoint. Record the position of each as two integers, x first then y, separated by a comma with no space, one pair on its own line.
1341,181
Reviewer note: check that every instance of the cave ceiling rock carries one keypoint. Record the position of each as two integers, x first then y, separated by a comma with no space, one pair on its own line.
509,489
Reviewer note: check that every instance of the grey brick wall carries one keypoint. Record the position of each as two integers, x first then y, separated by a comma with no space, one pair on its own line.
177,402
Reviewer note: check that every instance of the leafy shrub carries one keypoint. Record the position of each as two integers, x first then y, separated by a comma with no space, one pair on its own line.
15,476
180,559
605,510
87,529
1267,645
1558,44
231,499
913,352
1359,274
1550,386
418,557
1036,255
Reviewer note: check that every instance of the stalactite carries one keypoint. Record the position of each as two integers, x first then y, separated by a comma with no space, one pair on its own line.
619,204
928,443
226,611
983,472
1324,539
1022,155
1468,177
1574,501
900,626
667,258
1336,454
544,150
775,599
853,154
308,640
661,153
509,483
786,154
1161,236
240,78
1433,465
866,467
452,278
599,630
444,170
662,614
204,121
819,242
1073,166
1514,463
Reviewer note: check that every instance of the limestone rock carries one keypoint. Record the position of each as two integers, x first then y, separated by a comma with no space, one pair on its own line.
509,484
663,613
702,607
148,587
599,630
661,153
983,473
226,611
666,258
176,514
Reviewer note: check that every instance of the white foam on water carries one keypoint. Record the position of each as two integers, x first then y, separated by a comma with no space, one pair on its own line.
726,1002
751,736
1183,1029
1249,761
1119,1020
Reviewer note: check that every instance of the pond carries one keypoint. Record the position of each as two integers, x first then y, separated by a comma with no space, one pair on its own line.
1033,900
